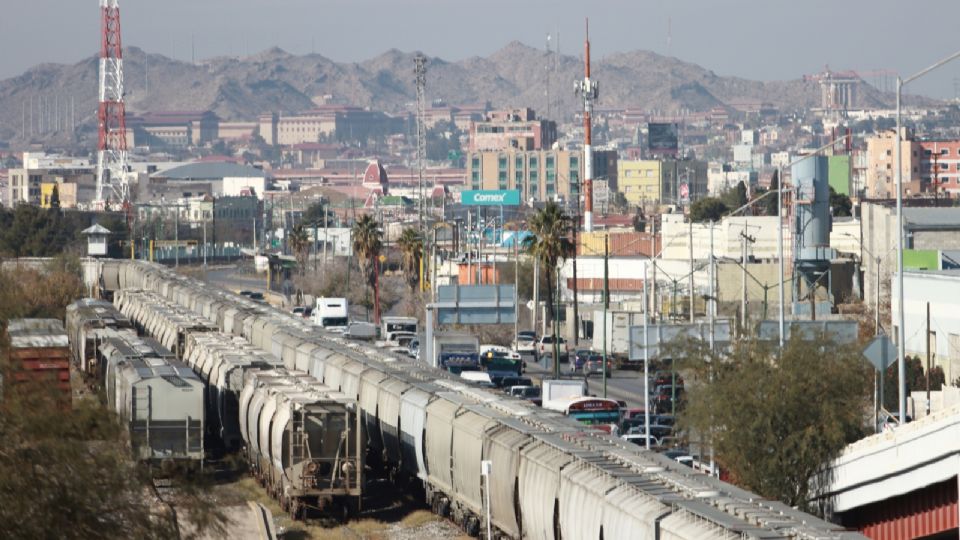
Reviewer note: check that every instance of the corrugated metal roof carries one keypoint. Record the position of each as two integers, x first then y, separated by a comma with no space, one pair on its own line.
39,333
211,171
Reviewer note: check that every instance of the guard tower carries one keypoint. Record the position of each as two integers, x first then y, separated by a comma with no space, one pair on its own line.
97,236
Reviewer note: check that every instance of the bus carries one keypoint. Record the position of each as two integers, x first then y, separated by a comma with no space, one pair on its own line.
601,413
500,362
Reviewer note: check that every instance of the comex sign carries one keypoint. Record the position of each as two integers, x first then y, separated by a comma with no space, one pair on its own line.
490,197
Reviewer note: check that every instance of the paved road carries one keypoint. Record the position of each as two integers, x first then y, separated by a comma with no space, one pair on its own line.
623,385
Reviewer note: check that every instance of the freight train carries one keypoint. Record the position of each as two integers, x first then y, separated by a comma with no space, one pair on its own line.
545,476
303,440
157,397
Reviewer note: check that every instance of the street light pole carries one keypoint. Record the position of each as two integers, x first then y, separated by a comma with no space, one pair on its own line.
780,250
901,334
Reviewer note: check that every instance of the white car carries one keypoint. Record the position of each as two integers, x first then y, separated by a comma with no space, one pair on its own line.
640,439
525,343
545,347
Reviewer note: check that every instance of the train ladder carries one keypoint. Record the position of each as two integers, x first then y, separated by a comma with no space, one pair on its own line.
141,410
298,443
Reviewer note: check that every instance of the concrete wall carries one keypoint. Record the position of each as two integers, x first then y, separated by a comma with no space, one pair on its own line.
942,291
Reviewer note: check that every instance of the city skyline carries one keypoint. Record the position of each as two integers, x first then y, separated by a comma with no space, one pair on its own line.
746,38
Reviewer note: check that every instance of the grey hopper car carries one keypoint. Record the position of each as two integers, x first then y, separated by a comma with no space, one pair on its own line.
159,399
304,440
86,321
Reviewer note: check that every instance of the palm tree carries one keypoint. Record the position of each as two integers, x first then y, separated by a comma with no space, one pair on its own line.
550,244
300,245
411,246
367,244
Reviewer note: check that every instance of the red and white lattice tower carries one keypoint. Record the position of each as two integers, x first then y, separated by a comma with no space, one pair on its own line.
112,142
590,91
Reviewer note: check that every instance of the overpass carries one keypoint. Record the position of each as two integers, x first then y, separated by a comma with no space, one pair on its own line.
901,483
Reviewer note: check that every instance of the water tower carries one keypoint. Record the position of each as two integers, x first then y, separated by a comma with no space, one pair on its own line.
812,225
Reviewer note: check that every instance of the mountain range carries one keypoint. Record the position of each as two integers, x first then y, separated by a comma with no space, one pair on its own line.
274,80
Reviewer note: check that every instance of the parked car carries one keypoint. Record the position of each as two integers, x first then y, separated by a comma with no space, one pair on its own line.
525,342
413,350
245,293
545,347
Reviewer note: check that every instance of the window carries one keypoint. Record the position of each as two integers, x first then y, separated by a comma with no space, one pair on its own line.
944,152
888,153
534,164
550,162
519,163
926,152
502,163
943,167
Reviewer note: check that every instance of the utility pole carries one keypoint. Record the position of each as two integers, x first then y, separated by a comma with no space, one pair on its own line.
652,305
536,291
692,304
606,304
928,358
176,235
744,238
204,243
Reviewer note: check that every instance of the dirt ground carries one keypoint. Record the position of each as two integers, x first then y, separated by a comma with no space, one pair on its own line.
388,514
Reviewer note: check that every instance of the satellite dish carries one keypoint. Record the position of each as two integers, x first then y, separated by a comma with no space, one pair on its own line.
530,305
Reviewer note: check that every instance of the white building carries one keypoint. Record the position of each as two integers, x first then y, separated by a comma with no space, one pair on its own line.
941,290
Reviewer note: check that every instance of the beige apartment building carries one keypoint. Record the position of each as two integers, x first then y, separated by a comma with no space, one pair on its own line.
881,175
517,129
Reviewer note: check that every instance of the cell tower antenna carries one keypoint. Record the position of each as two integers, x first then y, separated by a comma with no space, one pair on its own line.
112,129
589,90
420,70
548,66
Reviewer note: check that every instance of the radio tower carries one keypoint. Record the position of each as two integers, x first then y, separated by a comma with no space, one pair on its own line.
590,91
420,69
112,140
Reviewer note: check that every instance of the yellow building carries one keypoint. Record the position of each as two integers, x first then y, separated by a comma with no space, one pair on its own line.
645,181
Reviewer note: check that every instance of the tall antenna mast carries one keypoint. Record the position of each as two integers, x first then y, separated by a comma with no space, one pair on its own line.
589,90
112,129
420,69
547,70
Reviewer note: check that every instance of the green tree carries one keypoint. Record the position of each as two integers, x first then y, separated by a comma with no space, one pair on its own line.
840,205
550,243
708,209
775,419
916,381
410,244
67,472
315,214
300,245
770,203
55,198
367,244
735,197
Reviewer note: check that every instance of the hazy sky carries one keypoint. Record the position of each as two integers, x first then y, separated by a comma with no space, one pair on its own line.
757,39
